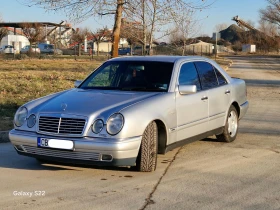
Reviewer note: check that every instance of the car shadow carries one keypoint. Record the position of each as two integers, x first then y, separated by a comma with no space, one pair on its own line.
211,139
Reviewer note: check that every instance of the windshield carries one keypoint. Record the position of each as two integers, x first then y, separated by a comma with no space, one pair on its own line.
131,76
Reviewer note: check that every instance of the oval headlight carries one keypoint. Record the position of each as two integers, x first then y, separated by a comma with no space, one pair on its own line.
115,124
31,120
97,126
20,116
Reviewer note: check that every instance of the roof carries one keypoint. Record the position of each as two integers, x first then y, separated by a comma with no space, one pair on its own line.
199,43
18,24
18,32
161,58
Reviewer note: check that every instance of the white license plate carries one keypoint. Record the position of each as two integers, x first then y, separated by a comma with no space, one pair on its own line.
55,143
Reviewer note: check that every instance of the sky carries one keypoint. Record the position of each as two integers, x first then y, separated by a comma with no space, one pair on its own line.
221,11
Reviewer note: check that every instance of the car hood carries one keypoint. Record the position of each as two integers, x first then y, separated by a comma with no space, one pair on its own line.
88,102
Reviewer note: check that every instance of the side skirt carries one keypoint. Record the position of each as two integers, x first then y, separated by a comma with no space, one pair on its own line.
193,139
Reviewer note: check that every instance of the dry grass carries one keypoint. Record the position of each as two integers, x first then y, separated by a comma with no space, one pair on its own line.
24,80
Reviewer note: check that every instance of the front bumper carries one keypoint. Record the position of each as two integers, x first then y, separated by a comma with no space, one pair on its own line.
86,150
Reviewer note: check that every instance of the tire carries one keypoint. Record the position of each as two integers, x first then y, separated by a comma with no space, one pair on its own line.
147,157
231,128
40,160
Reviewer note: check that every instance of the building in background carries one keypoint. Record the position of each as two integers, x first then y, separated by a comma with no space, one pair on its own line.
249,48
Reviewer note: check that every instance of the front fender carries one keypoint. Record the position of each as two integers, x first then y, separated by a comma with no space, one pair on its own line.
138,116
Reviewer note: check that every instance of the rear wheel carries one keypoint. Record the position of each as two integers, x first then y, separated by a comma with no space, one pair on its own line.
231,128
147,157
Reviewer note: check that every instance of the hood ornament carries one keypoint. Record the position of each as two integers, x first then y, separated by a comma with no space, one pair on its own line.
63,106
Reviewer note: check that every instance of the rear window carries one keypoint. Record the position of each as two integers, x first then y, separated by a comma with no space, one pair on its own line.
207,75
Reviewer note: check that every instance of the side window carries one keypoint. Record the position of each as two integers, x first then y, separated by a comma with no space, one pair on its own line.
220,77
188,75
207,75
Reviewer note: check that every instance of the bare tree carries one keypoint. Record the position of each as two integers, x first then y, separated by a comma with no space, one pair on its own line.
131,31
33,32
268,28
153,13
78,38
101,35
3,30
156,15
186,25
272,12
78,10
135,33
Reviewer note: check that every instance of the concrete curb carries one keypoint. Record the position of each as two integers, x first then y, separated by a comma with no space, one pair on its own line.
4,136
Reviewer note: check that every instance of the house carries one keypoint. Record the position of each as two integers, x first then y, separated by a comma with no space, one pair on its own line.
15,38
58,34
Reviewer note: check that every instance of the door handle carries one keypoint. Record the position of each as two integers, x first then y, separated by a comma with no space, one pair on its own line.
204,98
227,92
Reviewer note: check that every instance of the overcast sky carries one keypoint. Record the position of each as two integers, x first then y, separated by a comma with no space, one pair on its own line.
220,12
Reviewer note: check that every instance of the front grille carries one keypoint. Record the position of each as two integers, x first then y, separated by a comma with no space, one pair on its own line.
92,156
60,125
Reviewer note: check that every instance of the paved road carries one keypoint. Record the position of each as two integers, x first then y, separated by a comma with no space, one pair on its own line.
206,174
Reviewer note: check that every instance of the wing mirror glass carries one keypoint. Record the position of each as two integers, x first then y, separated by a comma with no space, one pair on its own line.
77,83
187,89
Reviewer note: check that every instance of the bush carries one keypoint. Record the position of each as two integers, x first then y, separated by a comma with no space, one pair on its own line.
21,56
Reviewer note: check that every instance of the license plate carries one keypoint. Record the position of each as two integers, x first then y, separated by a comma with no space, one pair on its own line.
55,143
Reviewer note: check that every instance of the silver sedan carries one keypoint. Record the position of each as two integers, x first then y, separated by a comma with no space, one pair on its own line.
129,110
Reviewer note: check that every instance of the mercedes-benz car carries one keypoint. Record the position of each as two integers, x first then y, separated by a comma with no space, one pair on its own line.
130,109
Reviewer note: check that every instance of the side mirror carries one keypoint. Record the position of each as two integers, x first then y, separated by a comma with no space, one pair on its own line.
187,89
77,83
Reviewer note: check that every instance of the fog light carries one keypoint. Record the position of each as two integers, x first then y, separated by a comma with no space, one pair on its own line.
19,148
31,121
106,158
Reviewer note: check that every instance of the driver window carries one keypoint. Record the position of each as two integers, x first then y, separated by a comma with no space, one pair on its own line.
188,75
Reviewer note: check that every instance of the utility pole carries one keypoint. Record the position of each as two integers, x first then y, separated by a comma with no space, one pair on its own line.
216,49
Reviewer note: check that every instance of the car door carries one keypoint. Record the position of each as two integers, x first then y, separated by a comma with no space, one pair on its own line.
218,93
192,109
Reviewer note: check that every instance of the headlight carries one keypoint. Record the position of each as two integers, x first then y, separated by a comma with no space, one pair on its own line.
115,124
97,126
31,120
20,116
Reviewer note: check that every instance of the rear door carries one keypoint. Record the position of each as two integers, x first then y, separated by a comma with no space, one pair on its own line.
218,93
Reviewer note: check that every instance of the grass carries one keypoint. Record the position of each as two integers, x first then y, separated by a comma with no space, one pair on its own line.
25,80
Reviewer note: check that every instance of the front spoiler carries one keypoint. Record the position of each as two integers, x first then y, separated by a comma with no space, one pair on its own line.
114,162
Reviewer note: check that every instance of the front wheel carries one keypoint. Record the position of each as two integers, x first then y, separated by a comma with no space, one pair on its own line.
231,128
147,157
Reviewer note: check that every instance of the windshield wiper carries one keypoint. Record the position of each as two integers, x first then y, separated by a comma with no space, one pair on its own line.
100,88
143,89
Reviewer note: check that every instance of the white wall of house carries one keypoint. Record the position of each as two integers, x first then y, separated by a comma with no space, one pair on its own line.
103,47
18,41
